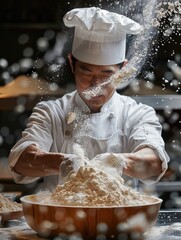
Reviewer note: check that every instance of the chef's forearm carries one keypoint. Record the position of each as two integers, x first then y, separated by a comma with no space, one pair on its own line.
143,164
35,163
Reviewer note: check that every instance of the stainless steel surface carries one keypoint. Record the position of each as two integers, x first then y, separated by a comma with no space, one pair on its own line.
160,101
168,227
168,186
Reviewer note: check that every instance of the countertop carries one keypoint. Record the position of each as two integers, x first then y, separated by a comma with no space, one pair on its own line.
27,91
168,227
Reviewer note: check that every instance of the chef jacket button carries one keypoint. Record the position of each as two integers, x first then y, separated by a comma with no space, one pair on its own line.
111,115
68,133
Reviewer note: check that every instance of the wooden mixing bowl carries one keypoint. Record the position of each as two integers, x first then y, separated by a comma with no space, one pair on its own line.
52,220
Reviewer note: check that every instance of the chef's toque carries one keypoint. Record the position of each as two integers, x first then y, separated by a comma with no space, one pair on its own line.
100,35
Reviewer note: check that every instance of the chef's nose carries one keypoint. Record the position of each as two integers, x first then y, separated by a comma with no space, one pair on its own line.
95,79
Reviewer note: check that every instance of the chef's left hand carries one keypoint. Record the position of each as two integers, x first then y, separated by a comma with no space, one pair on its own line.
142,164
113,160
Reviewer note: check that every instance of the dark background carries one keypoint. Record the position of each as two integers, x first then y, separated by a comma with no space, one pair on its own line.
35,17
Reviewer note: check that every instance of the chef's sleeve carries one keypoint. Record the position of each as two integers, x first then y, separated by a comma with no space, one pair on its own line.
146,132
38,132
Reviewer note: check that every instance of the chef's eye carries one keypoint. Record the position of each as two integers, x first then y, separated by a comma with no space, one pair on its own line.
87,73
106,75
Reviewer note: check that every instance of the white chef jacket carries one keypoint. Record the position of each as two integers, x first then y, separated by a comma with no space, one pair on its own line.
121,126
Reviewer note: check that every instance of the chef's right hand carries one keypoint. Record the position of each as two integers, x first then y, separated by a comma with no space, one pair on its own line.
70,164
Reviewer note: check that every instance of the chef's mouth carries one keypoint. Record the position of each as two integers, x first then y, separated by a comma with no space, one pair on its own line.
94,93
97,97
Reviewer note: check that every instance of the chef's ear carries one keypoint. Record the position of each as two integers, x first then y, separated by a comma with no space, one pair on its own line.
71,62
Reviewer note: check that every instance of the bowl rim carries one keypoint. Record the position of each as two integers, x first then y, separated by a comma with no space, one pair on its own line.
25,200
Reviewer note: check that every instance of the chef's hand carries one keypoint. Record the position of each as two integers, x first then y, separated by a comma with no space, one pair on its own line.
111,160
70,164
142,164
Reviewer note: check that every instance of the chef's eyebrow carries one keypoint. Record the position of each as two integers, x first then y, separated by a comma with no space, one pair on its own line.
84,68
120,65
102,71
107,71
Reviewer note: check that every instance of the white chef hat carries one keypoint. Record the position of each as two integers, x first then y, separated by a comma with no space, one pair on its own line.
100,35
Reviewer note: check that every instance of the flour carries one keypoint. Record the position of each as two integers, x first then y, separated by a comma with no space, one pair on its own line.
96,183
117,78
71,117
93,187
110,163
123,75
170,11
78,150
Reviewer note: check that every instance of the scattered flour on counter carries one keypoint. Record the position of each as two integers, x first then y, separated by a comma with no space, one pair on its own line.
93,187
6,205
167,232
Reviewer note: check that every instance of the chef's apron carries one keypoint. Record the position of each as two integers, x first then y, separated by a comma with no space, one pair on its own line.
95,133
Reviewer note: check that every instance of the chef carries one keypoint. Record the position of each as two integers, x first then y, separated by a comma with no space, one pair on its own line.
65,133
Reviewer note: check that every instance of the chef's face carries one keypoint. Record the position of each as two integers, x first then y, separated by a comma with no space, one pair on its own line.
88,78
